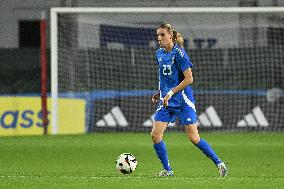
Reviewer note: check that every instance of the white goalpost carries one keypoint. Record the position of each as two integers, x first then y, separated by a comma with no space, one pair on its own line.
92,50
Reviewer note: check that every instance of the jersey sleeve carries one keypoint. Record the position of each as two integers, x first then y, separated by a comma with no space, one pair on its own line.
156,57
183,60
157,61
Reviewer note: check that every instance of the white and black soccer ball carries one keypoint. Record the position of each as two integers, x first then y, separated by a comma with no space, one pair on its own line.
126,163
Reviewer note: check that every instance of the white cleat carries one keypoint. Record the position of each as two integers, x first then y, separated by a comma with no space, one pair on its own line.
223,171
165,173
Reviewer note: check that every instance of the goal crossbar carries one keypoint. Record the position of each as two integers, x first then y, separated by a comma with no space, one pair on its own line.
168,9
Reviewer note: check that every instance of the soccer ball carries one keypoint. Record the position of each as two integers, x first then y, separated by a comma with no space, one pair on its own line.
126,163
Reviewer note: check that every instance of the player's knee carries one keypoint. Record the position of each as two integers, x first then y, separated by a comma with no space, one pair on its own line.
194,138
156,137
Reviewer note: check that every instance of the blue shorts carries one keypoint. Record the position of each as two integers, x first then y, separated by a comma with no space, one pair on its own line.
186,114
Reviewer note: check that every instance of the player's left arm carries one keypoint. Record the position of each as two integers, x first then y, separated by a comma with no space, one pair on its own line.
188,79
185,65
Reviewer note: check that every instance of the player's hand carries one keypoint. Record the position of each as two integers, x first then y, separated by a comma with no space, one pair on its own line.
165,101
156,97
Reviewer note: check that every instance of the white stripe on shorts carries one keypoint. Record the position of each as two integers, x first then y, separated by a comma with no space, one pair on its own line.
159,108
187,101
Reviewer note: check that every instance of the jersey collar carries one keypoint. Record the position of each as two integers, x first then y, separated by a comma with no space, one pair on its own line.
175,44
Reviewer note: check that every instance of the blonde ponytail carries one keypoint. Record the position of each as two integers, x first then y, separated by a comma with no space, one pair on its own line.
177,38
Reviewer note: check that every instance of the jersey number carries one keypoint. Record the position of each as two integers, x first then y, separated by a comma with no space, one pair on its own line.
167,70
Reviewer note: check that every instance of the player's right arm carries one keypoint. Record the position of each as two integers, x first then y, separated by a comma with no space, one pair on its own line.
156,97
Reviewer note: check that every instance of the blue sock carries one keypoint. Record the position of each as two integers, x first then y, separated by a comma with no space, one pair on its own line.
208,151
161,151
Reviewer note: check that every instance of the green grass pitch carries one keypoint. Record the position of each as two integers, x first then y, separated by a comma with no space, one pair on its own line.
255,160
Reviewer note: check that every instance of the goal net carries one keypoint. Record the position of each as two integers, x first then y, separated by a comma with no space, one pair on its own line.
106,56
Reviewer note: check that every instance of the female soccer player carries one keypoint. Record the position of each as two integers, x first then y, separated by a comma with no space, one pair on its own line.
175,98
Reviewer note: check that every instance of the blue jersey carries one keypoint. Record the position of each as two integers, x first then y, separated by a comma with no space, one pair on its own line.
171,67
